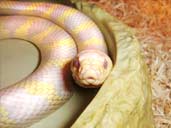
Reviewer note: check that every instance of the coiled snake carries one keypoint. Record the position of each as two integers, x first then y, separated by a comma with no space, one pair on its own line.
59,32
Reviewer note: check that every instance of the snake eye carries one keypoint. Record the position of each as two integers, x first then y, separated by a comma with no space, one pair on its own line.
76,63
105,64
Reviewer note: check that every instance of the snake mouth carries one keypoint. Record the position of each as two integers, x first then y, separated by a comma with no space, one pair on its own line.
89,76
90,81
86,75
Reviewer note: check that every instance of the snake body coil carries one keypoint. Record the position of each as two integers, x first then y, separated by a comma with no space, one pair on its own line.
54,29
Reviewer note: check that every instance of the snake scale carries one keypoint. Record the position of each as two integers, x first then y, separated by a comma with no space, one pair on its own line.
65,38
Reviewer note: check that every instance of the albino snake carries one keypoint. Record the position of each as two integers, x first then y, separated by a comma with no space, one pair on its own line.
59,32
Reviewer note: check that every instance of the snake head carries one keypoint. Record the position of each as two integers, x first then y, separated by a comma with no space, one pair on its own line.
90,68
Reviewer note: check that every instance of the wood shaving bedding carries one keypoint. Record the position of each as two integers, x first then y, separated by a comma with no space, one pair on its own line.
151,18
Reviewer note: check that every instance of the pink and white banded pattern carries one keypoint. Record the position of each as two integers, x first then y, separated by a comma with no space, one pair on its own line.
59,32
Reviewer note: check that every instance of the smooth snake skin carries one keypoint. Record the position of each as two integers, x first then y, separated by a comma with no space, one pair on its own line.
59,32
